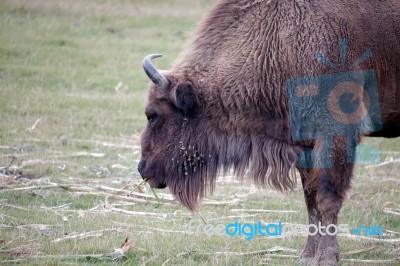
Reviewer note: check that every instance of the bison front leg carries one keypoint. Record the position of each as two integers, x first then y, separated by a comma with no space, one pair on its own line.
314,216
333,182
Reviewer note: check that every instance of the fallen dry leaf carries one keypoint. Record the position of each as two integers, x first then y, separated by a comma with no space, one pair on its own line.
128,244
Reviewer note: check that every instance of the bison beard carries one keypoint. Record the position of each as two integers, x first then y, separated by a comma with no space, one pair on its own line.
194,167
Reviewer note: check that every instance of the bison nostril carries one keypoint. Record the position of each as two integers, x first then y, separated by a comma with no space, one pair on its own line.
141,166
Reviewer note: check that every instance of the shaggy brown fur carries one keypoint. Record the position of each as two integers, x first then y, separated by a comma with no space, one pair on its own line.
226,105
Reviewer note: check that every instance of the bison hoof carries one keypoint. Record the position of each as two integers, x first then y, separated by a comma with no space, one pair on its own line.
327,256
307,257
325,261
305,260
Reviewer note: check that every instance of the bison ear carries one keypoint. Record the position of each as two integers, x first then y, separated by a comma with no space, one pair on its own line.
186,98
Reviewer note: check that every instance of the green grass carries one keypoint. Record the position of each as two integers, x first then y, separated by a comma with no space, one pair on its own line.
60,62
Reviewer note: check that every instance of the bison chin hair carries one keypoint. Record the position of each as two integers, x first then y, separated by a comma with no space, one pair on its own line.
193,169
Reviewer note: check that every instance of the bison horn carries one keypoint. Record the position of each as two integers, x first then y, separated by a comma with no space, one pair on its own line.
153,73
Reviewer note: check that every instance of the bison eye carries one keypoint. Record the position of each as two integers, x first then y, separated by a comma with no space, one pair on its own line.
151,117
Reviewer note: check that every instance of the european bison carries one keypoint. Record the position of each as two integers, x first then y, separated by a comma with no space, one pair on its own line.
263,83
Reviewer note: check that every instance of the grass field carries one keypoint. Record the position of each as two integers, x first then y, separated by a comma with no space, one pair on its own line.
72,98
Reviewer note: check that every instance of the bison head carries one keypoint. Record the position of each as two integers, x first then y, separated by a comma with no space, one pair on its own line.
168,156
193,131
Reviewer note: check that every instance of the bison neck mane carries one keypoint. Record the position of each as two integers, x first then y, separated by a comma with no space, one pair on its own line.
232,53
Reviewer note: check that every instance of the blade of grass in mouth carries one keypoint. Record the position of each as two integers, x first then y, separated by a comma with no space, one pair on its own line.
155,195
152,189
141,183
